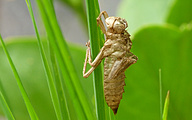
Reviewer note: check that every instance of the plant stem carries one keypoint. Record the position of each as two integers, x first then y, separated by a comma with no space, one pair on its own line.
166,105
28,104
160,94
94,35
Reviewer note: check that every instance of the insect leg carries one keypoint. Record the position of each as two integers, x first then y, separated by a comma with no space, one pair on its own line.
94,64
85,64
99,21
88,56
104,13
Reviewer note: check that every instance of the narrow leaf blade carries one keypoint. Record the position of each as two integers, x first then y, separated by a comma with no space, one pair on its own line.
166,105
95,42
65,63
4,104
28,104
52,87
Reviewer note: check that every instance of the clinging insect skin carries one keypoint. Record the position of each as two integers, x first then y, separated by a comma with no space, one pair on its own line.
118,58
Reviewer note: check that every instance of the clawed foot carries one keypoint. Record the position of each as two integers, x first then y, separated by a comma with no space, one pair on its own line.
88,44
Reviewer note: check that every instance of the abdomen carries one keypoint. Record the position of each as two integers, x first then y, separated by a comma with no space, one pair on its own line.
114,82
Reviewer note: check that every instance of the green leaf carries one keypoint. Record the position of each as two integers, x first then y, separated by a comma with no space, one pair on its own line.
141,13
50,81
164,47
180,12
25,54
166,105
4,104
96,39
63,56
28,104
160,94
60,90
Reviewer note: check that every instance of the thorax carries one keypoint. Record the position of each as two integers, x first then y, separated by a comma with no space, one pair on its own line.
117,45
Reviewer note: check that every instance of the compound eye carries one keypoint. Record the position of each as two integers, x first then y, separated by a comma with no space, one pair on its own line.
109,22
117,23
124,22
119,26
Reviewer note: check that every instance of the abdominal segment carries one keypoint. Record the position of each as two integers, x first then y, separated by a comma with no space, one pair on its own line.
113,84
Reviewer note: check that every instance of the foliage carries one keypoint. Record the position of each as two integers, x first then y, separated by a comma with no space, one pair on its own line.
162,36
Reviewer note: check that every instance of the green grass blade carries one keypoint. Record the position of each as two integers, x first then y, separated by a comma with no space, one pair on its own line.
160,94
62,65
64,59
166,105
95,42
6,108
111,114
4,105
50,80
28,104
60,89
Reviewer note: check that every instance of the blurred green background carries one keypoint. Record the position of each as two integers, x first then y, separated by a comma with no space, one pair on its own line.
161,31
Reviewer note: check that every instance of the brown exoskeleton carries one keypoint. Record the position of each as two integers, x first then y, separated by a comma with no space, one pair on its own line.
118,58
